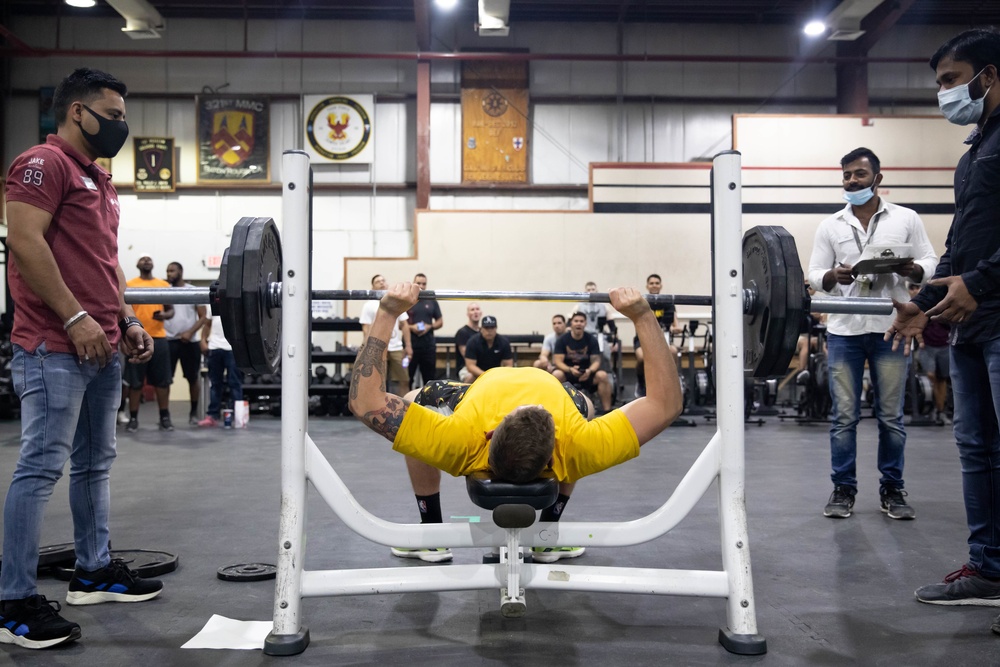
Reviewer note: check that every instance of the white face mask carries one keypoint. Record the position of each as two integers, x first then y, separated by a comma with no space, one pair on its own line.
958,106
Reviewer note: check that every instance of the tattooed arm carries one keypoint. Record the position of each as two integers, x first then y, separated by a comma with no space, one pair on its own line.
380,411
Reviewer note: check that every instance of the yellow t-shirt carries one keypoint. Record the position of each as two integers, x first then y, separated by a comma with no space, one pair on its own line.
457,443
145,311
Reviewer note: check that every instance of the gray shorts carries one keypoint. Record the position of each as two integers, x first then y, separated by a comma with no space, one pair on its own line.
936,360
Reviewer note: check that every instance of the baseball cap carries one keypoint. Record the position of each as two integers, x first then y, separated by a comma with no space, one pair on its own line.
488,322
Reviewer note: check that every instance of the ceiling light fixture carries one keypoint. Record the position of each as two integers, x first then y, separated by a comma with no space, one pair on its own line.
814,28
446,4
81,3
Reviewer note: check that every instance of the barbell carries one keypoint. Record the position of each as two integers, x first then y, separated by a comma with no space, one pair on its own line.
247,298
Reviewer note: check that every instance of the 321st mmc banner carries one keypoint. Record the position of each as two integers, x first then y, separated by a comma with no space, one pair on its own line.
233,135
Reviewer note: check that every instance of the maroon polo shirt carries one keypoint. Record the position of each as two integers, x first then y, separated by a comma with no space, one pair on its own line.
83,236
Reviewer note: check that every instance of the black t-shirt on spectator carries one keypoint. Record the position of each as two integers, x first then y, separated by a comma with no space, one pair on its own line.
577,351
486,356
425,311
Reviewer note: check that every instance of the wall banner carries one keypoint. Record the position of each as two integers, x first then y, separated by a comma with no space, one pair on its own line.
494,122
339,128
233,133
154,164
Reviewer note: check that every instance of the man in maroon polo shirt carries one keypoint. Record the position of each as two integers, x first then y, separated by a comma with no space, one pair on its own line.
69,316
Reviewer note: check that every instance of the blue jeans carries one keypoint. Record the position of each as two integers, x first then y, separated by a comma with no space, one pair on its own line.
68,412
975,380
223,363
846,356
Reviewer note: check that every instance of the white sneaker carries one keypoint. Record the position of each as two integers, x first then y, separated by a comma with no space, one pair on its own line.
437,555
122,417
552,554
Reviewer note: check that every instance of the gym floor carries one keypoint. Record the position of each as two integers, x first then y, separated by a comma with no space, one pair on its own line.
828,592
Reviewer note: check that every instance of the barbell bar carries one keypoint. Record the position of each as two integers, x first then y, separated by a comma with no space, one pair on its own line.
203,295
247,297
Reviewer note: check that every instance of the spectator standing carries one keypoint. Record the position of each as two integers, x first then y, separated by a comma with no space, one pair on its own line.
400,351
183,331
222,371
62,217
157,369
424,319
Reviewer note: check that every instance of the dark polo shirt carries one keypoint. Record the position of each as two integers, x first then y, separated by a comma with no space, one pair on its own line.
83,236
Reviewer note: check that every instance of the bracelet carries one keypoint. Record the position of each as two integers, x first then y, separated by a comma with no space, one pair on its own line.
73,320
127,322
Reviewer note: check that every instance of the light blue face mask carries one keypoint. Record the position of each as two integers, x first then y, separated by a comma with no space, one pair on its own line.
859,197
958,106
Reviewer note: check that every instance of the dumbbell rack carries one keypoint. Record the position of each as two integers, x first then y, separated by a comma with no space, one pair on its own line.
722,460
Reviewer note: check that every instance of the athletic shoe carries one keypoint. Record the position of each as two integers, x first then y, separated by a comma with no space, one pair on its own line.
122,417
114,583
962,587
133,425
193,419
35,623
893,502
438,555
841,502
166,424
552,554
209,420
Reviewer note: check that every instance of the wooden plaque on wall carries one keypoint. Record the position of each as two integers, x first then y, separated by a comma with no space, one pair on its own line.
494,122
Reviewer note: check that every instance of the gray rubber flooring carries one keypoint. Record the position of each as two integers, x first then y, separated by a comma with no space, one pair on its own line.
828,592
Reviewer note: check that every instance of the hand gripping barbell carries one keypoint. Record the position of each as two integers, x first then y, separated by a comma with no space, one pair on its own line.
247,297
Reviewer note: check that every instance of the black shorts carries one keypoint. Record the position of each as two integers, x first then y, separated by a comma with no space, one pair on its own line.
189,354
445,395
156,371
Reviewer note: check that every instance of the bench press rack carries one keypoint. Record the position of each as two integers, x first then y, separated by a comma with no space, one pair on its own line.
722,459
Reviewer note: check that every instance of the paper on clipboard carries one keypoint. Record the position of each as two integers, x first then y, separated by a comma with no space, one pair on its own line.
882,259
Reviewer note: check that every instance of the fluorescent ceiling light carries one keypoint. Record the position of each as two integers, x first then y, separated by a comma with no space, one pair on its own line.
81,3
814,28
446,4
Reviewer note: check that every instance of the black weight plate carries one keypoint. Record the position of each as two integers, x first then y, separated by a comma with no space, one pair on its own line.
763,327
53,555
795,296
248,572
148,564
771,267
232,301
261,323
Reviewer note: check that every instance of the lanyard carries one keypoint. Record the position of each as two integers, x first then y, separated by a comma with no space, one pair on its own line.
871,233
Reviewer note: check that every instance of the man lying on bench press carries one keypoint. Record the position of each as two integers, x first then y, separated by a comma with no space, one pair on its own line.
514,422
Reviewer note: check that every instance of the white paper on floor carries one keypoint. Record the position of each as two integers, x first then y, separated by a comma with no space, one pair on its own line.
222,632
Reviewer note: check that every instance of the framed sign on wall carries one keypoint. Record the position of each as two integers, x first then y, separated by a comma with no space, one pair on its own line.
154,164
339,128
233,132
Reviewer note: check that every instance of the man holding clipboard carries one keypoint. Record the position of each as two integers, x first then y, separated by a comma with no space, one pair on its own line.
871,247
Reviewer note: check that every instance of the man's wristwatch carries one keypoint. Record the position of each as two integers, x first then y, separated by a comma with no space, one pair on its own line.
127,322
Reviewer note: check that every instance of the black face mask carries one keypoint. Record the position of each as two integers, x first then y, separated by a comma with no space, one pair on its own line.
110,136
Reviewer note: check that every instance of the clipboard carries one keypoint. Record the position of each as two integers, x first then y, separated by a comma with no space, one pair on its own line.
882,259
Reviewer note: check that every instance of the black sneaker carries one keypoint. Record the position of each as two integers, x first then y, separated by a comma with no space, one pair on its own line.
166,424
841,502
115,583
34,622
893,501
133,425
962,587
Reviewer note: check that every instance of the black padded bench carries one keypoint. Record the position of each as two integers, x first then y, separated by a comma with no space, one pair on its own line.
513,505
